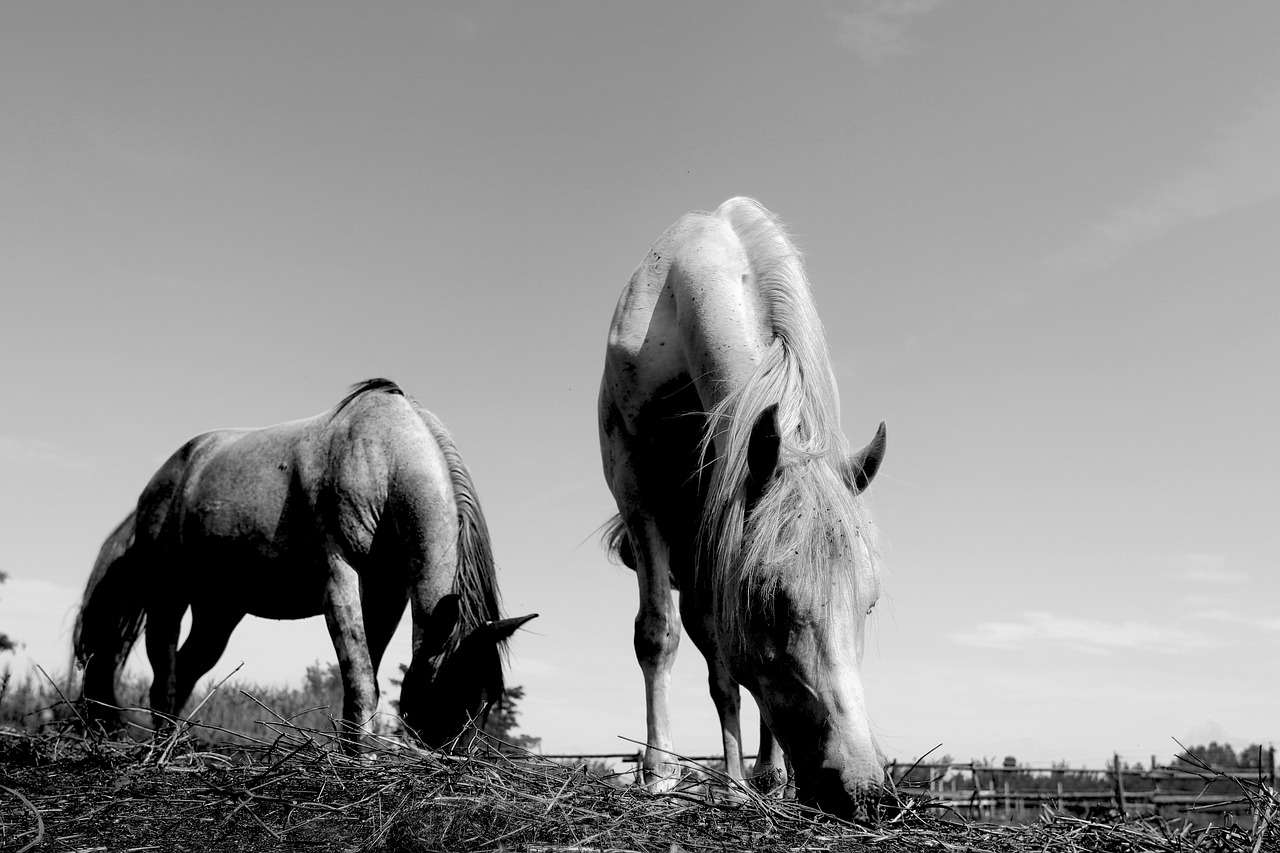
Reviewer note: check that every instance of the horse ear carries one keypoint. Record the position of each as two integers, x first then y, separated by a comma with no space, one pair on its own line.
762,453
864,464
444,619
502,629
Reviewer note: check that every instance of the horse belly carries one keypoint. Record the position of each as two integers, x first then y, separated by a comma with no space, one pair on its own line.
248,524
269,582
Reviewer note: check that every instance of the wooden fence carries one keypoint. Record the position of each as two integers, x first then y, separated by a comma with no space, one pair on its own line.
1016,793
981,791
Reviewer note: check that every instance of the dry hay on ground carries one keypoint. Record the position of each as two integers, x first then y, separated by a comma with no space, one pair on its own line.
65,792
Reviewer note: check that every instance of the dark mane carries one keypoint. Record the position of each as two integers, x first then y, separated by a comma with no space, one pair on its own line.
369,386
476,581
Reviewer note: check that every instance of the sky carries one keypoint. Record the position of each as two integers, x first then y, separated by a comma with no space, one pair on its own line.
1043,239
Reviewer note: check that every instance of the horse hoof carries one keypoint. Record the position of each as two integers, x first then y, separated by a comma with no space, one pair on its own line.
770,781
659,780
735,794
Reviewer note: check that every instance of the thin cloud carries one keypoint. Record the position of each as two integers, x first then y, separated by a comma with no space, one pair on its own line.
878,30
1086,635
1242,170
1209,569
37,453
1263,624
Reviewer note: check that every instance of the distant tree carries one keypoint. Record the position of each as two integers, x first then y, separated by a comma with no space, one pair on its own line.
235,713
6,644
503,721
322,685
1219,756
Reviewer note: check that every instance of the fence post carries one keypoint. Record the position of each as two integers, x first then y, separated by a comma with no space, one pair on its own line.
1120,804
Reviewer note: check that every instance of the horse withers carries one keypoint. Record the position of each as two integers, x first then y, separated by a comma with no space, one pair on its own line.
352,514
721,442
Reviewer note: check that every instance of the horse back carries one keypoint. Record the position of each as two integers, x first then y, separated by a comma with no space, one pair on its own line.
289,493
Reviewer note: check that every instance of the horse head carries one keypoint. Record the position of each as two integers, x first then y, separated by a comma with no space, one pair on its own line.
808,581
455,675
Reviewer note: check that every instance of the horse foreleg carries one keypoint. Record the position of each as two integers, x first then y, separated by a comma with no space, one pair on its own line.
210,631
770,772
657,637
383,608
343,614
724,690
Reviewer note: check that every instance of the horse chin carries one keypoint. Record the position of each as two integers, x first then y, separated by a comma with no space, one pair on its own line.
438,735
844,776
838,792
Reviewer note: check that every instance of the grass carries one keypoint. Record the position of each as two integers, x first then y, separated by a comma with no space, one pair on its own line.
285,784
69,789
229,715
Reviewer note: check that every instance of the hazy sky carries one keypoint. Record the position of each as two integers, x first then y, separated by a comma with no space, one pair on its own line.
1044,239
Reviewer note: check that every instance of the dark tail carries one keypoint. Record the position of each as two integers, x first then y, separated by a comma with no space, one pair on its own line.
111,614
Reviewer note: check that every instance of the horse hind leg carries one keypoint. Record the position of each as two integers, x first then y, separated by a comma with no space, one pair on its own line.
211,628
164,622
657,637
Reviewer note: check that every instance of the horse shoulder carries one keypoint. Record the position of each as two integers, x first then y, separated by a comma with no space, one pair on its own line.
645,354
724,323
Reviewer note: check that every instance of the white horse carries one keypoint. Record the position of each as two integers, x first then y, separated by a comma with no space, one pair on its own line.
721,442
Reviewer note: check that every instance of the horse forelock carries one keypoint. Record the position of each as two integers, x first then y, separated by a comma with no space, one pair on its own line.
808,537
807,532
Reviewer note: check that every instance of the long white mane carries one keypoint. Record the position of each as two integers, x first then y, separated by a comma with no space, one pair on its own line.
807,531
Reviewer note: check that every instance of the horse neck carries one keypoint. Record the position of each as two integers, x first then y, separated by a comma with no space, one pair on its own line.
475,581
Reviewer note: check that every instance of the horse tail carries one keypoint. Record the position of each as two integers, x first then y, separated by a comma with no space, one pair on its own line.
112,613
476,581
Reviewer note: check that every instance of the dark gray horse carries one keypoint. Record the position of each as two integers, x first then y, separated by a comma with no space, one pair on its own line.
352,513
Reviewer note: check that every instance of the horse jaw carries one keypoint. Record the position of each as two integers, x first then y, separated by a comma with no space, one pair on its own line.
812,699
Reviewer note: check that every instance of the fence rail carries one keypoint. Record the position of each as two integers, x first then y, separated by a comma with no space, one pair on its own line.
1009,792
995,792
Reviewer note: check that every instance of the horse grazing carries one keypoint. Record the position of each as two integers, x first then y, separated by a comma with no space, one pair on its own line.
352,513
720,438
